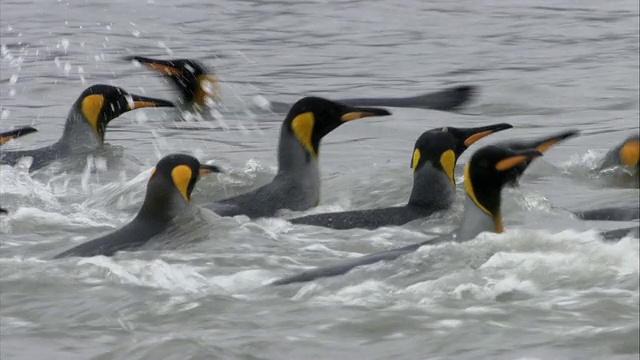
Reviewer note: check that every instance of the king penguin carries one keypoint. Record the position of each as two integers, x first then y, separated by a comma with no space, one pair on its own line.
434,189
488,171
195,83
296,185
168,195
86,124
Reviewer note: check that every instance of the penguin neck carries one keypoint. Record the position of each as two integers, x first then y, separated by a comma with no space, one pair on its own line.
432,189
78,135
162,202
476,221
294,159
477,218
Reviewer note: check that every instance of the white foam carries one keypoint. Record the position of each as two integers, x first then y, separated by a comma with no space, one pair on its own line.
155,273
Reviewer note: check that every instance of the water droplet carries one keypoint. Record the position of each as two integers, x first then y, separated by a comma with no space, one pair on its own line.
262,102
12,92
57,62
80,70
5,114
108,27
135,33
67,68
9,28
13,79
65,44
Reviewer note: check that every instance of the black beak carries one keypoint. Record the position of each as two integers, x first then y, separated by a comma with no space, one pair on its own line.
8,135
206,169
470,135
353,113
139,102
165,67
545,143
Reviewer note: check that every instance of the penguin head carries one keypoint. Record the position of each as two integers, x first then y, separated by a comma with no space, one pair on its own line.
99,104
189,76
629,153
180,172
488,171
311,118
442,147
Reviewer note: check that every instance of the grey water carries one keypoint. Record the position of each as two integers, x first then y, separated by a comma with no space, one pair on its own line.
547,288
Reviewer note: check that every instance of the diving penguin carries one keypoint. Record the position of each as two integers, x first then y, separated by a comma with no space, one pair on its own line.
168,195
433,162
195,83
296,185
484,177
86,124
15,133
192,79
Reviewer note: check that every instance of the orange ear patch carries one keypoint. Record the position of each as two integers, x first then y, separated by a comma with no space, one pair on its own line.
510,162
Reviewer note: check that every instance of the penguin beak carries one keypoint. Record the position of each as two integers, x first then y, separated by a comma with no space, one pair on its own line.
139,102
359,113
206,169
162,66
545,144
471,135
521,157
8,135
630,153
